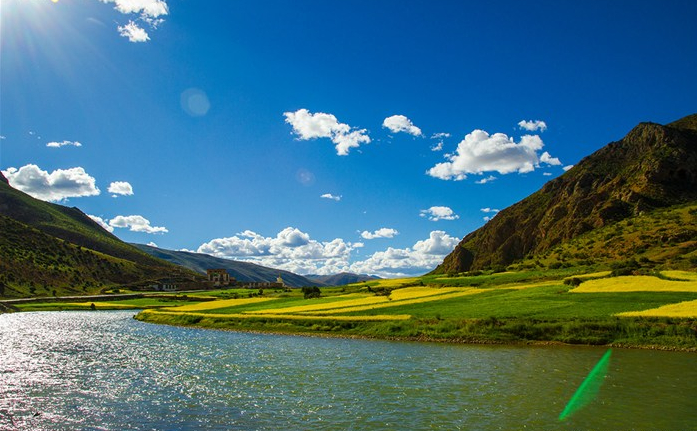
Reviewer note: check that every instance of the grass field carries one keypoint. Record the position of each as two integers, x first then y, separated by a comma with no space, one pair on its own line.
533,306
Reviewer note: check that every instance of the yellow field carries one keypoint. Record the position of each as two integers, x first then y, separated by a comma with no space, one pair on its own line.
212,305
635,283
103,305
683,275
363,300
418,292
387,304
285,316
396,282
516,286
681,309
600,274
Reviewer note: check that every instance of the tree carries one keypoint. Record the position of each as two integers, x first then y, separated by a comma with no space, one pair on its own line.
311,292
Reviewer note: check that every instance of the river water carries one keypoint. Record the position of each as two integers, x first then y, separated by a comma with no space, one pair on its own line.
106,371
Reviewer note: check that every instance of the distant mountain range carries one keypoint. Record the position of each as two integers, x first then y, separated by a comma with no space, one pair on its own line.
246,271
48,249
341,278
242,271
653,167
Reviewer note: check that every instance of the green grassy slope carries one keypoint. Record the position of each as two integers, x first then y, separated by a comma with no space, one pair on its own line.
48,249
652,167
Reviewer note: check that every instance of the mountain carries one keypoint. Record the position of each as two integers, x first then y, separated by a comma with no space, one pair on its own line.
654,166
242,271
48,249
341,278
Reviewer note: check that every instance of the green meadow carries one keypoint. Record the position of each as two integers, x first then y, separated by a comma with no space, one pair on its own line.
654,310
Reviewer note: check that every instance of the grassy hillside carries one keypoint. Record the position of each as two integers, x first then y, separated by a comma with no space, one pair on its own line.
48,249
652,167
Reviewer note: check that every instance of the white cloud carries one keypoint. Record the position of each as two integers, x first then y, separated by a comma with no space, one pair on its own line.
547,174
384,232
58,185
147,8
532,126
320,125
400,123
487,210
440,137
422,257
291,249
566,168
2,137
133,32
488,179
480,152
136,223
63,144
120,188
548,159
439,213
331,196
437,147
152,244
103,223
149,12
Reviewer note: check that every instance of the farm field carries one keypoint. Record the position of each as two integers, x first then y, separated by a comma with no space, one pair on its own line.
647,310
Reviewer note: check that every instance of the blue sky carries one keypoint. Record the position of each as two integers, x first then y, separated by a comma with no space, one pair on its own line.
319,137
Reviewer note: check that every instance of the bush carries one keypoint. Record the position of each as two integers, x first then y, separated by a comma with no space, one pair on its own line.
311,292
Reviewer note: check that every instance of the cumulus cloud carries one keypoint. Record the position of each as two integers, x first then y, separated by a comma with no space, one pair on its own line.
439,137
320,125
58,185
331,196
120,188
548,159
103,223
133,32
63,144
291,249
136,223
480,152
439,213
150,12
400,123
566,168
488,179
533,126
422,257
152,244
384,232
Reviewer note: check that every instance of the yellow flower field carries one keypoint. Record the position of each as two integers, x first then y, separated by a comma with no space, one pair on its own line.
635,283
418,292
681,309
212,305
387,304
362,300
103,305
683,275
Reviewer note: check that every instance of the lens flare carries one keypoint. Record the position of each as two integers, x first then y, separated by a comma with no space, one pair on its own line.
589,388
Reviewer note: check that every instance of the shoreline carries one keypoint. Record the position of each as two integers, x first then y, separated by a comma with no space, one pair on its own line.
423,338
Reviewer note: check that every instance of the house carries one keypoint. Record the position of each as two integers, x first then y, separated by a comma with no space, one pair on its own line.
220,277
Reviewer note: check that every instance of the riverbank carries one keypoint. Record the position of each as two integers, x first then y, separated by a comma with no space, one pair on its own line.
641,333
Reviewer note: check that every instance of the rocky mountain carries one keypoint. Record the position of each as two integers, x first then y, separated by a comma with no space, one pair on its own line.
48,249
654,166
242,271
341,278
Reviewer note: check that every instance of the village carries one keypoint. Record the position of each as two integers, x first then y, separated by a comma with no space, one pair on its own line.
216,278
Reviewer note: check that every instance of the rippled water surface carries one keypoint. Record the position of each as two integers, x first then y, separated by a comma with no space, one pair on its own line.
106,371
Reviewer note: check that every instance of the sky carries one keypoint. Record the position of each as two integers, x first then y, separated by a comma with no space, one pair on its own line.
322,137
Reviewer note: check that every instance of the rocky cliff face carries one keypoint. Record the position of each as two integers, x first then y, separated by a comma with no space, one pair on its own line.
653,166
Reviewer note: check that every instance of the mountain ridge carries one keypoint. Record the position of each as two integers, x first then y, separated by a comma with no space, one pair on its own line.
653,166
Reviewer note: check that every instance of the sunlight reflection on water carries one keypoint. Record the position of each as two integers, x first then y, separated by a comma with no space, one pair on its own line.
104,370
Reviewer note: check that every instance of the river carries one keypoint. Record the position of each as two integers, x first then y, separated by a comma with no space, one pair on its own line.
106,371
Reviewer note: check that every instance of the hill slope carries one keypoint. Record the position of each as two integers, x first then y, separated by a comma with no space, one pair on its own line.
50,249
342,278
652,167
242,271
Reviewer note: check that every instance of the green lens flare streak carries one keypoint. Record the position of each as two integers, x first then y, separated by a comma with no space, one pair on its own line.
589,388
